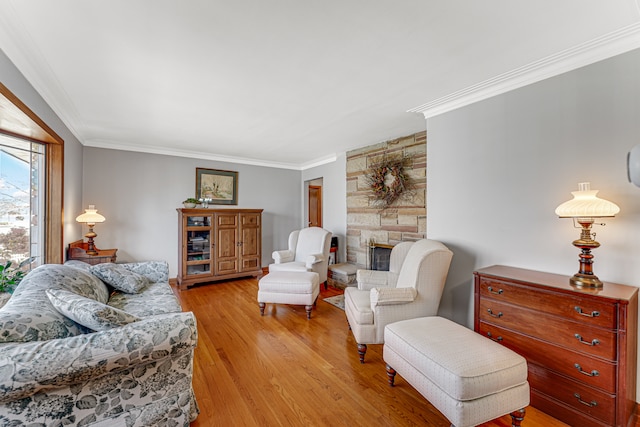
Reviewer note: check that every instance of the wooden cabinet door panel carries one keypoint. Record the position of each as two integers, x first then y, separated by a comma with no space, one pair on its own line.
251,238
226,251
250,242
226,243
250,219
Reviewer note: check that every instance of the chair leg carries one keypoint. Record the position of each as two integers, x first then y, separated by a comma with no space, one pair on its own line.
362,349
517,417
308,309
326,285
262,305
391,375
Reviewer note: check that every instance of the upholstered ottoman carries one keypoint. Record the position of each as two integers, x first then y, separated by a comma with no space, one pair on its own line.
289,287
467,377
343,273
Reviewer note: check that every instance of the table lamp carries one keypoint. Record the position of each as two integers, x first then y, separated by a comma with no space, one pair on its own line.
584,208
90,217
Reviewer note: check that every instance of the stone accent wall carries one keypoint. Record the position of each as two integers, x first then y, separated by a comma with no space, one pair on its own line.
405,219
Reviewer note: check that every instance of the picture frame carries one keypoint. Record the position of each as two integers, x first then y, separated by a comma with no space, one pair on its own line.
217,187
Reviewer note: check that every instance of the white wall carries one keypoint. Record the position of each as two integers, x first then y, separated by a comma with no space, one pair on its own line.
334,199
498,169
72,199
139,193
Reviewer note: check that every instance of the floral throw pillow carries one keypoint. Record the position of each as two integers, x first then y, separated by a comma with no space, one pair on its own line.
80,265
29,315
87,312
120,278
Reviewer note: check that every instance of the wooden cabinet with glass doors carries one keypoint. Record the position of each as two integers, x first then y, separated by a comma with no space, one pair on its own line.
218,244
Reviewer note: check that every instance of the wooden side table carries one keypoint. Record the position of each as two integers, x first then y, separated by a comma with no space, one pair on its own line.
78,251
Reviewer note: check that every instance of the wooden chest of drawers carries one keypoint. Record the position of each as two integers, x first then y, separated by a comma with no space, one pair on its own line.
580,345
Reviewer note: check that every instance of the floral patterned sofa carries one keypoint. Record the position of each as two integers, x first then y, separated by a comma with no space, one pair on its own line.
96,346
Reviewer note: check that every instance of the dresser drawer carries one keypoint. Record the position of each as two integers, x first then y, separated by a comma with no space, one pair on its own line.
596,312
565,413
589,370
590,401
576,336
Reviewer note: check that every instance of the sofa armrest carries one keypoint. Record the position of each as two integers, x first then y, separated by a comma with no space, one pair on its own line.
282,256
313,259
155,271
29,368
369,279
391,296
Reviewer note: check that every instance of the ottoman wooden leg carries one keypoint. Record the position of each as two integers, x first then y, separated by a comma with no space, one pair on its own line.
391,375
308,309
517,417
261,308
362,350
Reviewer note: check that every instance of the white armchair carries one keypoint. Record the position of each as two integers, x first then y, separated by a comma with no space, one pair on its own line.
308,251
368,279
414,291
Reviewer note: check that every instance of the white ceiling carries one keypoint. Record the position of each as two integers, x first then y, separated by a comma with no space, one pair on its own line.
291,83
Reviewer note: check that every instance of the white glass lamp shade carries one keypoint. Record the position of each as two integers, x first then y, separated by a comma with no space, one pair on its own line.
585,204
90,216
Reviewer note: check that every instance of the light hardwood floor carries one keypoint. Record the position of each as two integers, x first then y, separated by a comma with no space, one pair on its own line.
284,370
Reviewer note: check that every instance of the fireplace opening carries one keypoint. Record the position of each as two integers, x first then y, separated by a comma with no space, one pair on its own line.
379,256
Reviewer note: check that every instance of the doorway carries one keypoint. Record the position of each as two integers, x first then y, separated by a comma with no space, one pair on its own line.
314,203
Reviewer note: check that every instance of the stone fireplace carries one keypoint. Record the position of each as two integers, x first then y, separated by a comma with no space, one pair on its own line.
405,219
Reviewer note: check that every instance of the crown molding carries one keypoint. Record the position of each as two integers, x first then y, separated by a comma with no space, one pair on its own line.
614,43
112,145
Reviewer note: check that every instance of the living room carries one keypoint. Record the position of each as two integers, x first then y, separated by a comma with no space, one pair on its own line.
497,169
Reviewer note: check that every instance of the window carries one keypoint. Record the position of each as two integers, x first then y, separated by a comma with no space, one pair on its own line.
25,137
22,164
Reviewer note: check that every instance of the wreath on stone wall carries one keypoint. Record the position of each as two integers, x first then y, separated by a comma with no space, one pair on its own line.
388,180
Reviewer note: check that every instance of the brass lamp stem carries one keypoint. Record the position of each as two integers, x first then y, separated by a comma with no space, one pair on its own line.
585,278
91,249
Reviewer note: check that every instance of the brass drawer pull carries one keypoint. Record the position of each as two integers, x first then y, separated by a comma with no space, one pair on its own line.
593,342
592,314
491,313
593,373
589,404
498,292
497,339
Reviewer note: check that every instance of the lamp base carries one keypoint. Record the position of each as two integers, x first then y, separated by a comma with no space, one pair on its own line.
91,247
586,281
585,278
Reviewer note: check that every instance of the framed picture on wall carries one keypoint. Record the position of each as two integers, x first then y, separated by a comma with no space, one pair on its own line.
217,187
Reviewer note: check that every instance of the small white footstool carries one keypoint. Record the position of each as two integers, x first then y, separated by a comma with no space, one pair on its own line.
469,378
289,287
